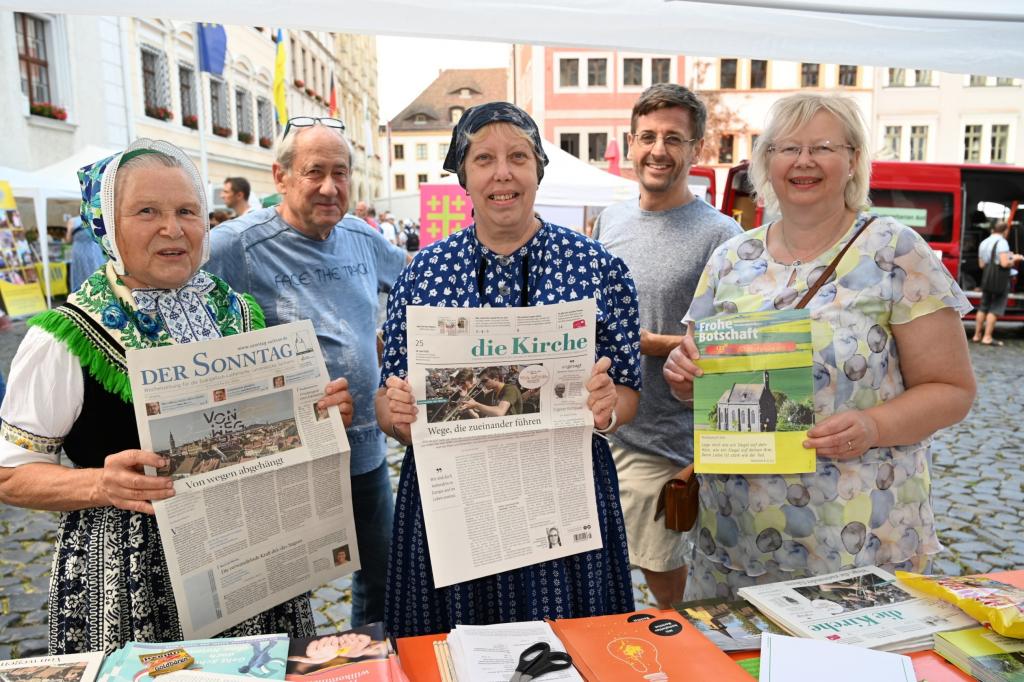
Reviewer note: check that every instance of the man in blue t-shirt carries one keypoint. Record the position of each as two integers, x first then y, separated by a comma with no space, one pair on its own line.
305,259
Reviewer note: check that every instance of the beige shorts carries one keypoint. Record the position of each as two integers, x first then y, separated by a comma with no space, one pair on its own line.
651,545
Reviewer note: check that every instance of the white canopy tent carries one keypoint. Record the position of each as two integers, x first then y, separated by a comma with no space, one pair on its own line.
568,187
47,186
981,37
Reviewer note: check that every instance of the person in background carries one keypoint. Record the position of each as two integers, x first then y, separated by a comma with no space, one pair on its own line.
891,364
665,237
86,255
387,228
146,206
510,257
994,251
305,259
219,216
235,195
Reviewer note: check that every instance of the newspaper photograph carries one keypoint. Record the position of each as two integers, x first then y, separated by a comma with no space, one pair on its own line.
861,606
503,438
262,510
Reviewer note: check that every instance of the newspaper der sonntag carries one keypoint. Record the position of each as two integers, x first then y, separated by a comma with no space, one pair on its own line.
262,510
503,437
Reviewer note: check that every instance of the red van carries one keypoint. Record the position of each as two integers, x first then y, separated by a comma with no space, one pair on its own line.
949,204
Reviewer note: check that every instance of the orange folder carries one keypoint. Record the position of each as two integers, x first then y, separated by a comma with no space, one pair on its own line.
644,646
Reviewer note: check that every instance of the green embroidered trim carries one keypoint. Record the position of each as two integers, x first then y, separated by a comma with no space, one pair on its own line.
256,318
104,361
46,445
97,326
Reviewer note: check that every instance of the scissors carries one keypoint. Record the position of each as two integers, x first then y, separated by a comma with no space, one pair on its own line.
538,660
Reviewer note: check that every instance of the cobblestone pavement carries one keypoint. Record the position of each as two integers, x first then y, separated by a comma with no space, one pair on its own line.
978,498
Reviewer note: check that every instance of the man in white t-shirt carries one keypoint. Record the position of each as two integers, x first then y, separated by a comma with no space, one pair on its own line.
994,252
387,228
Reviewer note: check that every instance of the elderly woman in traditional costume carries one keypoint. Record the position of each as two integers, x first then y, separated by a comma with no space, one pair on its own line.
891,365
511,257
69,391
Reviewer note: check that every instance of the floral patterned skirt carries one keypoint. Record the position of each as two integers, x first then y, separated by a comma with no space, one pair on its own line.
588,584
110,585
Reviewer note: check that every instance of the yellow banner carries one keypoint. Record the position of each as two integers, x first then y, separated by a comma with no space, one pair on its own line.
22,299
58,278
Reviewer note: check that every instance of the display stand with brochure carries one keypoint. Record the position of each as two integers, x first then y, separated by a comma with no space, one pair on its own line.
262,510
503,491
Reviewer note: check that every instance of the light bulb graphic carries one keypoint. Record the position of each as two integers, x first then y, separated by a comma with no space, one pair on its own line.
640,655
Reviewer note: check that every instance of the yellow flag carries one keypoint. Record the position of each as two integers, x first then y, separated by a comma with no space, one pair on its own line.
280,88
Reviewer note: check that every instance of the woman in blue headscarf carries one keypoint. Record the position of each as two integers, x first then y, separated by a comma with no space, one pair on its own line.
511,257
69,391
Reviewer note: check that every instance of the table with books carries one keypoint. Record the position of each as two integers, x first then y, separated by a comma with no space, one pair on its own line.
692,653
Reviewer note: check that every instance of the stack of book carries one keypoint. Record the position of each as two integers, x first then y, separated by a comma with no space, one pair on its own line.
862,606
984,654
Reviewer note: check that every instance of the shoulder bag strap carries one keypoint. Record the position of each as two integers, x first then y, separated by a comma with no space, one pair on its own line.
832,266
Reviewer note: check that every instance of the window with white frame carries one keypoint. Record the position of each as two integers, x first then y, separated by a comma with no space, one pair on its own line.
922,77
633,71
897,78
810,75
597,143
265,121
421,151
1000,142
893,141
848,75
455,113
725,148
243,115
625,146
1002,82
187,92
442,150
570,143
727,74
978,81
597,72
399,152
661,70
918,143
219,111
33,58
758,74
972,143
568,72
155,90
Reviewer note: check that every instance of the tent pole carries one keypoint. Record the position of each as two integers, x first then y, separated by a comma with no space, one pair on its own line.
204,167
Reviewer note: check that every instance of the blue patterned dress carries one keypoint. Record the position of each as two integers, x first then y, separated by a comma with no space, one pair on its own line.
556,265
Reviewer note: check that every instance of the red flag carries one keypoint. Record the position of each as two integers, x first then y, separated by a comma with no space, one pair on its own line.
334,99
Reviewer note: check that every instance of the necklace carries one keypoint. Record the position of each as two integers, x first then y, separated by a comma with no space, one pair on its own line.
792,254
795,262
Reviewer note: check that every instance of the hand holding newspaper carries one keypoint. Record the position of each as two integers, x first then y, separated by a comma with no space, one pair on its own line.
262,510
503,437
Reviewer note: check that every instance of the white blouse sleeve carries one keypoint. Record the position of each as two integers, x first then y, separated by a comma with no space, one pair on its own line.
44,398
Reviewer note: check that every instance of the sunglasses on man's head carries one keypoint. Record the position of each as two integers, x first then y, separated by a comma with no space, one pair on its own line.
308,121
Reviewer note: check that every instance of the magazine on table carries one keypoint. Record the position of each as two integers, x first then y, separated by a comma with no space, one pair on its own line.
259,656
66,668
730,625
984,654
262,510
754,403
361,653
861,606
503,438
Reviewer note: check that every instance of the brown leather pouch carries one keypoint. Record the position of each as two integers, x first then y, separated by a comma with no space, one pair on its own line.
678,502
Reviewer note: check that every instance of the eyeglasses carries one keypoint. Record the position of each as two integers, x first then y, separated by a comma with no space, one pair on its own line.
308,121
821,150
646,140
